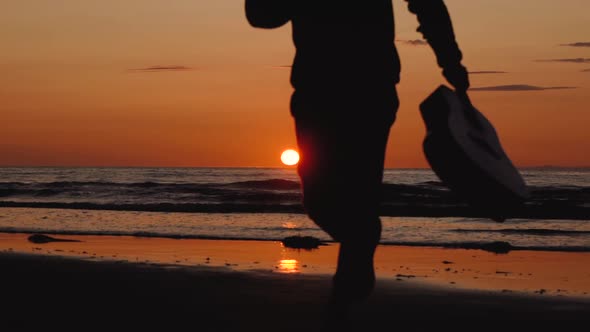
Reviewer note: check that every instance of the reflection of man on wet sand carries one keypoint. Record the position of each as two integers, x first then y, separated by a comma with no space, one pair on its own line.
344,74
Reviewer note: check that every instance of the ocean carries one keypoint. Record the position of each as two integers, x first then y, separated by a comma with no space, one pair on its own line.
264,204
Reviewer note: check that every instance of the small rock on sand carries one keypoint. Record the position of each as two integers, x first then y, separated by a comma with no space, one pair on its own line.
302,242
40,238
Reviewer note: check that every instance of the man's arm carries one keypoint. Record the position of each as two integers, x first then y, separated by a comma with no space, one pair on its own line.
268,14
437,29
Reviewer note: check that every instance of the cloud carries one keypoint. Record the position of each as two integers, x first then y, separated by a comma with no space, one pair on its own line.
586,70
573,60
483,72
162,68
283,67
578,44
414,42
520,87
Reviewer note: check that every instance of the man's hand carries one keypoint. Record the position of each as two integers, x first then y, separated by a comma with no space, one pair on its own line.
458,77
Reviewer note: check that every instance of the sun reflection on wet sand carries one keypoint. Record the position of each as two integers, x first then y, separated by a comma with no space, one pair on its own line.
557,273
288,266
290,225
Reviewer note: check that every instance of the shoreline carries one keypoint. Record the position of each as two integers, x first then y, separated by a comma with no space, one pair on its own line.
452,233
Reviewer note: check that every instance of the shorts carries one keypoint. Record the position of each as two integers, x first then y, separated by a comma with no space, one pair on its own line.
341,168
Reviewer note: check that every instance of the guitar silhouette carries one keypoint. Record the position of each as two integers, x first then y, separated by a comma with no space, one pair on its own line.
464,151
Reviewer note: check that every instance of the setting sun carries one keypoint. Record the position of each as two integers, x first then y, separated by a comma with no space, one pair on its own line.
290,157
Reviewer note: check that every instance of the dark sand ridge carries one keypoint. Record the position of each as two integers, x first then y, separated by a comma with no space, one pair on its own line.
46,290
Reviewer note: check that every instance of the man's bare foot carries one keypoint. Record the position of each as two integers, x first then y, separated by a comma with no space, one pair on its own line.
355,276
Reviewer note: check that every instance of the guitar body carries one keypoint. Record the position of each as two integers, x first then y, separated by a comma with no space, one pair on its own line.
464,151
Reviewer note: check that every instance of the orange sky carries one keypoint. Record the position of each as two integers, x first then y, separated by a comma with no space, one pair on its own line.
71,94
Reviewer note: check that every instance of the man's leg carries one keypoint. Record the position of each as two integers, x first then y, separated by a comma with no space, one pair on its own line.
341,171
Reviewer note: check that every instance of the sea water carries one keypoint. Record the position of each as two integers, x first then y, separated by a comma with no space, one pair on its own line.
265,204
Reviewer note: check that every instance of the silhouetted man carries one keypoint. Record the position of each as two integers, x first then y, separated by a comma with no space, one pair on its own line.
345,73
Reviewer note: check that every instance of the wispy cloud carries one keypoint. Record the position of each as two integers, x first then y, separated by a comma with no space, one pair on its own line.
572,60
283,67
520,87
162,68
586,70
484,72
578,44
413,42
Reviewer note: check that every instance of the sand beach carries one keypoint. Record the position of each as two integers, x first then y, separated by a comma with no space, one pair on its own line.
217,285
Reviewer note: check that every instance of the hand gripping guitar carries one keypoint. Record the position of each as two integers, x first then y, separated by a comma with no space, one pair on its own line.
464,151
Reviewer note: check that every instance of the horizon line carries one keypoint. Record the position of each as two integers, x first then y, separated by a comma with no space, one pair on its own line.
262,167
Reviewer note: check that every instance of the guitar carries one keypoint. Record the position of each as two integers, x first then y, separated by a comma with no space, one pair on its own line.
464,151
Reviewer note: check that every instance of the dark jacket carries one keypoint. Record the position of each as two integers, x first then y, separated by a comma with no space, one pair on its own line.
336,39
347,47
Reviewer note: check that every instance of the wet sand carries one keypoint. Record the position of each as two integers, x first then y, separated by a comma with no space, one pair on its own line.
253,285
